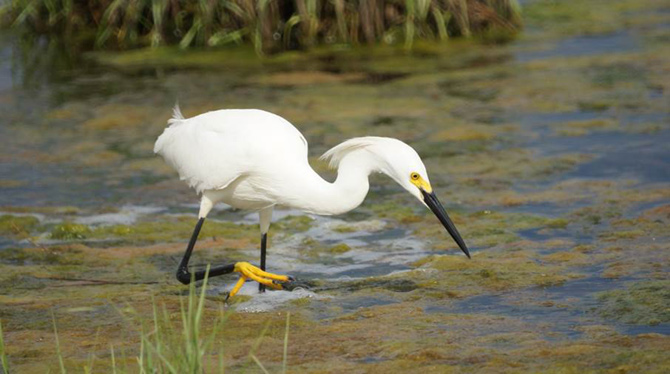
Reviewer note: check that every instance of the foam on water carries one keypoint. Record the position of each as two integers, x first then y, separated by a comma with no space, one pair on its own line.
126,216
270,300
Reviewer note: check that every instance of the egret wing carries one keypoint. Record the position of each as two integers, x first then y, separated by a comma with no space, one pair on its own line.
213,149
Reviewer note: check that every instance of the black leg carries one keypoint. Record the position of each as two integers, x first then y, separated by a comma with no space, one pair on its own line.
264,242
184,276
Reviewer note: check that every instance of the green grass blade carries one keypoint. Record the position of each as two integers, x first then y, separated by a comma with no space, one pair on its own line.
111,347
285,358
190,35
441,23
58,351
409,23
3,352
253,357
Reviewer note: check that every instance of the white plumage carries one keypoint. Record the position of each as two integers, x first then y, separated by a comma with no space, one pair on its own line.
211,150
252,159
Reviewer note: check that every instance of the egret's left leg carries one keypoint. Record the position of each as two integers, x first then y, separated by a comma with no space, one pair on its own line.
264,243
264,220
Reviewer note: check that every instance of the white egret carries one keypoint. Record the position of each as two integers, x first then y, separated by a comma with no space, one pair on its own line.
252,159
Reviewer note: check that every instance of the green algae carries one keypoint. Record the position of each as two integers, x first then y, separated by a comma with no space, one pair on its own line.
339,249
395,210
172,229
508,165
640,303
48,256
294,224
487,272
19,226
489,228
70,231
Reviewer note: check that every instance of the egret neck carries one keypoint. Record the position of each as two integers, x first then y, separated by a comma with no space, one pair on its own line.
313,194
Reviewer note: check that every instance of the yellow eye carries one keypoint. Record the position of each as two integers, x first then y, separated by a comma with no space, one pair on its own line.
414,176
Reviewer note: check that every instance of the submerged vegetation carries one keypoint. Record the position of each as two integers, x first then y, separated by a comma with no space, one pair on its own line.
269,25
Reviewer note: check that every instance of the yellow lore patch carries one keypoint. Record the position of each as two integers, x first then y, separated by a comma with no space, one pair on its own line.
418,181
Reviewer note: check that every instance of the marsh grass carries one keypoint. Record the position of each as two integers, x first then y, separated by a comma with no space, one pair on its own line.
166,346
3,354
269,25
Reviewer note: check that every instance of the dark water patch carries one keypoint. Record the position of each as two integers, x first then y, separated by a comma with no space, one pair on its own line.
7,244
325,309
619,154
350,305
641,208
489,60
375,78
542,208
391,121
644,157
541,234
636,329
585,45
543,123
610,74
358,270
480,112
471,93
390,234
563,320
372,360
468,59
566,308
329,308
584,288
395,285
59,184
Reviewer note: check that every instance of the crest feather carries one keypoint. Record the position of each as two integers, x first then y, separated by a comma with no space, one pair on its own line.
337,153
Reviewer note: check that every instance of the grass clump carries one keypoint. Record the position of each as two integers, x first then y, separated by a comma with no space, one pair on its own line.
189,348
188,340
267,25
167,348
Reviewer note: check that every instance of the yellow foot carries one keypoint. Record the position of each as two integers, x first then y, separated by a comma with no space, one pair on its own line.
249,271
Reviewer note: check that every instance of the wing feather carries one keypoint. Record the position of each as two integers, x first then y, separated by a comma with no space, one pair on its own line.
213,149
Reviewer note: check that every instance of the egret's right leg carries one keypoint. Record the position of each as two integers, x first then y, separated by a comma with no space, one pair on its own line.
246,270
185,276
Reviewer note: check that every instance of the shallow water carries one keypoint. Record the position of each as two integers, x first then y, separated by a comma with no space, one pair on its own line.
550,153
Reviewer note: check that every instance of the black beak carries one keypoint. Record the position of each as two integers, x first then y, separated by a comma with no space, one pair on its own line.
434,204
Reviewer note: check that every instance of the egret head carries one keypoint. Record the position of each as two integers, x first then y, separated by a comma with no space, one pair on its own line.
400,162
410,172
